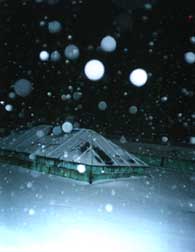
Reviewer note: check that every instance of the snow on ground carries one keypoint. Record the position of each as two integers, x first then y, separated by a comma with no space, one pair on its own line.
45,213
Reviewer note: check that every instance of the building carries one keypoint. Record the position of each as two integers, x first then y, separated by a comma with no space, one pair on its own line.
82,154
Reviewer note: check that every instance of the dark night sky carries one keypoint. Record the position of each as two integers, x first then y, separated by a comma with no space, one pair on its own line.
155,40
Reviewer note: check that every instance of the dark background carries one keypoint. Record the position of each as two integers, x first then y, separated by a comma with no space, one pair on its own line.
169,26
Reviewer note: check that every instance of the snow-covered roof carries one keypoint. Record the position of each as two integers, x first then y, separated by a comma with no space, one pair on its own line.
80,146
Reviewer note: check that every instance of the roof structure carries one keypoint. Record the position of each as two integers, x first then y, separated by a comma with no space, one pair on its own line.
80,146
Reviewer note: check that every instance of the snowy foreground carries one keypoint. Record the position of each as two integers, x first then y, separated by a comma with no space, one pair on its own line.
43,213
